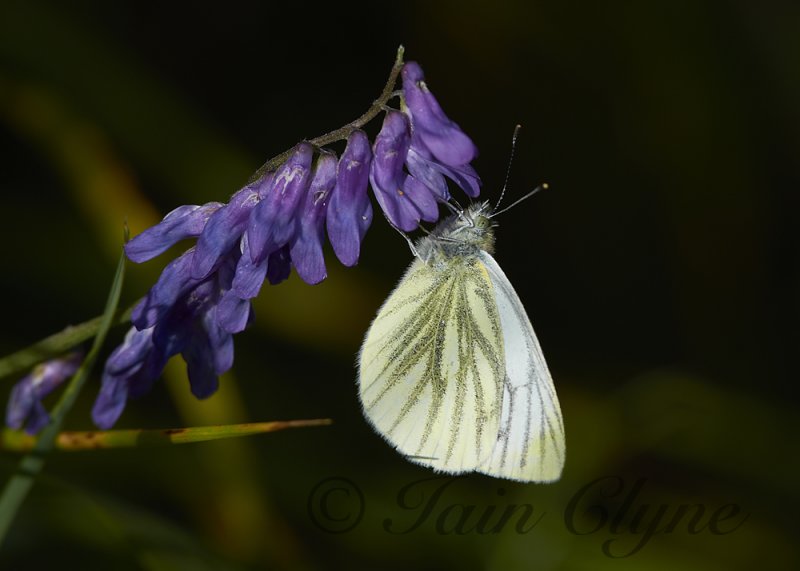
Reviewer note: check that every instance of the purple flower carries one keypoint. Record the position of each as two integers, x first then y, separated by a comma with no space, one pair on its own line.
131,370
273,223
173,283
249,276
435,132
403,198
349,210
414,152
426,170
224,229
183,222
191,327
306,249
202,298
438,147
25,404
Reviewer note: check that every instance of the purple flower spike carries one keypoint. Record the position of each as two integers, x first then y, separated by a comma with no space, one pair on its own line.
25,404
306,250
224,229
175,280
278,222
273,222
441,136
349,209
183,222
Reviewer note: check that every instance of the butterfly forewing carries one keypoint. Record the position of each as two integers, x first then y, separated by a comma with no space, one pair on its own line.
431,366
530,443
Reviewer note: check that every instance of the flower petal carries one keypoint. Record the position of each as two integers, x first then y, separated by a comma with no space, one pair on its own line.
443,137
404,202
38,418
141,381
20,403
111,401
422,169
24,404
279,266
224,229
306,250
249,276
199,359
349,212
273,222
390,150
422,198
131,352
233,312
175,280
464,176
184,222
422,165
219,340
174,330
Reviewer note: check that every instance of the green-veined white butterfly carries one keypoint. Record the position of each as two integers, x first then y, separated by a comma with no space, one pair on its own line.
451,372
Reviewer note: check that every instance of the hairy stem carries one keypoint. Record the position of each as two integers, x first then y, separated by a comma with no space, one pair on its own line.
342,133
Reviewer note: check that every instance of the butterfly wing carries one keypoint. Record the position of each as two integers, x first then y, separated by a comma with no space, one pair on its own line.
431,366
530,443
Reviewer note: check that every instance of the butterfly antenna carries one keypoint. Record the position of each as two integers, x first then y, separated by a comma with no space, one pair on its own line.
508,169
543,186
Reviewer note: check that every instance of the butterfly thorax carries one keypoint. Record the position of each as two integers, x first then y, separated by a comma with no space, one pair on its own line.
461,235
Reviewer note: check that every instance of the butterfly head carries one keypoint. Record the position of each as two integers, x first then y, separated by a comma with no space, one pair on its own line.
464,233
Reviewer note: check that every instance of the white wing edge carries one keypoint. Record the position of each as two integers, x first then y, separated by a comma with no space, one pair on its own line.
530,445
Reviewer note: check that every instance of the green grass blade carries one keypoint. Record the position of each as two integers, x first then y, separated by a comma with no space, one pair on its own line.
19,441
17,488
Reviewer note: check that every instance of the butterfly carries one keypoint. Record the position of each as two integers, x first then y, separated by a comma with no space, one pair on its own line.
451,373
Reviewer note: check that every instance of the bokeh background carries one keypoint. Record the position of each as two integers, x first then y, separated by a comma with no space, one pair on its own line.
661,274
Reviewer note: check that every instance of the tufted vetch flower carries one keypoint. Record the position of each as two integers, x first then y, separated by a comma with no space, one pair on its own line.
277,223
25,406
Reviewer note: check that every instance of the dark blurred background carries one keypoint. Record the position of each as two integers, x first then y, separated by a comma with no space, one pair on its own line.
660,272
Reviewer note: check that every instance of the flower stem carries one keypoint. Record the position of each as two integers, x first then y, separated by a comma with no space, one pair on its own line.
342,133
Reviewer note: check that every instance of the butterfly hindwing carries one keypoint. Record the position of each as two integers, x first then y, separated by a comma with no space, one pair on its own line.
530,444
